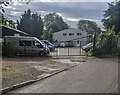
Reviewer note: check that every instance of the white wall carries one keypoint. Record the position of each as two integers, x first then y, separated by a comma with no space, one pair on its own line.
60,37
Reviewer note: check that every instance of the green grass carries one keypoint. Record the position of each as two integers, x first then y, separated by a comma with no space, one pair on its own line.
90,56
8,70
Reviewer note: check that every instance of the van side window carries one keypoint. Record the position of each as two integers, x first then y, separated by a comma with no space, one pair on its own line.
36,43
25,43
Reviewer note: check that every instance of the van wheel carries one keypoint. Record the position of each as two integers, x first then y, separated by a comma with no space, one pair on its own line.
42,53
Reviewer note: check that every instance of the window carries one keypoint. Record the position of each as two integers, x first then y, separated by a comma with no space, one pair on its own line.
38,44
47,43
71,34
25,43
79,34
64,34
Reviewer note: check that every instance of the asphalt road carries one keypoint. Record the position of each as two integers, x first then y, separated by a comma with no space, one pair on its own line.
93,76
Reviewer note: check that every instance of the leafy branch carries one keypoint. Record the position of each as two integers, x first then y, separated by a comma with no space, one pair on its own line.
2,4
6,3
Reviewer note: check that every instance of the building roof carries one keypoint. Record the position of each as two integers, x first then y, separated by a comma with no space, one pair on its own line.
68,30
8,31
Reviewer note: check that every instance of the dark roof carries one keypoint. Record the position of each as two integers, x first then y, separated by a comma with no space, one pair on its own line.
7,31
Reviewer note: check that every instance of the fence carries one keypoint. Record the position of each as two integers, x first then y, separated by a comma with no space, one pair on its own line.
69,48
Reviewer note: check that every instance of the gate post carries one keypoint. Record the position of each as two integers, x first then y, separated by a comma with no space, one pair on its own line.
94,44
80,47
68,51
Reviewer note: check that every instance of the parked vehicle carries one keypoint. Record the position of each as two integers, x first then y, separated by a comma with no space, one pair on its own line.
87,47
27,45
62,44
49,45
69,44
66,44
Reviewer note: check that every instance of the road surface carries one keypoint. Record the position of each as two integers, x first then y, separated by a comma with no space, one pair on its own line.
93,76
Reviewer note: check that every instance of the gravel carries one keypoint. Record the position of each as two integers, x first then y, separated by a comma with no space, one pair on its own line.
17,70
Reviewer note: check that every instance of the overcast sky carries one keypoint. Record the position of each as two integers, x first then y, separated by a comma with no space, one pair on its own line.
69,10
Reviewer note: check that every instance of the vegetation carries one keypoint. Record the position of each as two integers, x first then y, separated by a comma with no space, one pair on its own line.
107,43
2,4
31,23
47,35
53,23
119,44
7,22
112,16
89,26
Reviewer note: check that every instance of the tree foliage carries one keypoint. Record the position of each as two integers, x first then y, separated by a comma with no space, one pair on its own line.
47,35
112,16
89,26
2,4
7,22
55,22
31,23
107,42
6,3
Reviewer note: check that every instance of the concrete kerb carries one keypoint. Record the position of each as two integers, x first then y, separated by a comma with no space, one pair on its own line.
69,57
8,89
57,72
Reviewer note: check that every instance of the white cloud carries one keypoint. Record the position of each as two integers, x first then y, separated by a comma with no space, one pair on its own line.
70,12
73,0
15,13
72,19
15,1
42,1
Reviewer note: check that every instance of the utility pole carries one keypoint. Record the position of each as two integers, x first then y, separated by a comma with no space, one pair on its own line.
94,43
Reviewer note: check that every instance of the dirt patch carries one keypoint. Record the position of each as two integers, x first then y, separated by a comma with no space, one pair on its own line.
17,70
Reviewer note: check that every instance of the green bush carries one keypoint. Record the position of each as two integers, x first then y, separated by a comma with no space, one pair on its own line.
118,45
107,43
118,52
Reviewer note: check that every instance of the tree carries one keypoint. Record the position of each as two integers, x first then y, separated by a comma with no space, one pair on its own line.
55,22
112,16
48,35
31,23
89,26
7,22
2,4
7,2
107,43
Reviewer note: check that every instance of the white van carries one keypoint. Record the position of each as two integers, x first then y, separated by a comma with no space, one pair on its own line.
27,45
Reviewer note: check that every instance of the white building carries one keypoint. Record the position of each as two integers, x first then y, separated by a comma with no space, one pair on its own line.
76,36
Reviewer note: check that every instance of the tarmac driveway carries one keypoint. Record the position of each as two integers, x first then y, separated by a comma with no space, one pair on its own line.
93,76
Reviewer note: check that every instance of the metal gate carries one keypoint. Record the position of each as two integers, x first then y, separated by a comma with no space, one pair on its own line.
69,48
